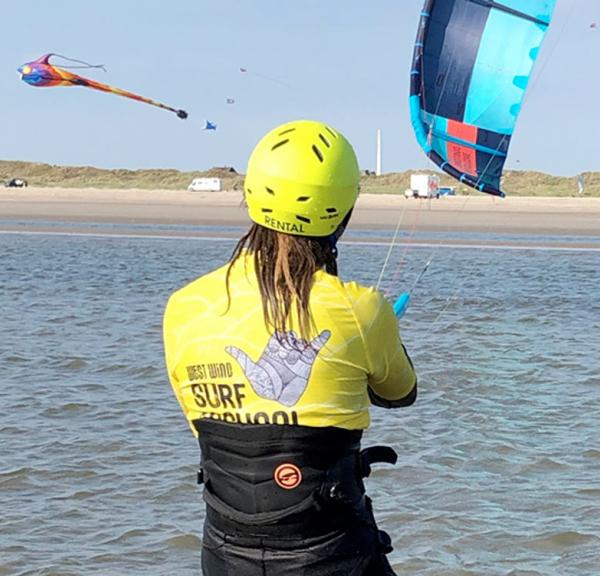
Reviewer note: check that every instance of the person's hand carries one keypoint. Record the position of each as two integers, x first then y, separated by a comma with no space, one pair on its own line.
283,370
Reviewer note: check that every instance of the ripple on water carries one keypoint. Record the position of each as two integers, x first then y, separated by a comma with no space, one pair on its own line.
66,409
544,464
127,537
593,492
559,540
81,495
518,572
73,364
16,359
18,478
184,542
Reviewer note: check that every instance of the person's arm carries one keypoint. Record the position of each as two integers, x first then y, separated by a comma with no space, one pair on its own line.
392,379
407,400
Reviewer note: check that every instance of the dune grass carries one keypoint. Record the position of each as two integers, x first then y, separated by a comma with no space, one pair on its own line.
515,183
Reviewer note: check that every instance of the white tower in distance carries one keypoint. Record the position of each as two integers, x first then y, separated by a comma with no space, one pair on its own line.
378,165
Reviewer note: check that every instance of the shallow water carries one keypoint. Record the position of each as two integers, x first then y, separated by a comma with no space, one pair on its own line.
499,459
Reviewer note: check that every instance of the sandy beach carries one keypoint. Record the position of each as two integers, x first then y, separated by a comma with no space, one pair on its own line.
34,208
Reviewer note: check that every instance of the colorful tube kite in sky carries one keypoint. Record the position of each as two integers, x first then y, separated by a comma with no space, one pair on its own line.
41,73
471,66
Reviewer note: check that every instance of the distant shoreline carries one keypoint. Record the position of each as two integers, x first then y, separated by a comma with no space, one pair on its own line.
30,208
515,182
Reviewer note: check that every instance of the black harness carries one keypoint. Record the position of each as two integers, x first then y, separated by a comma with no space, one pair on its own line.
244,496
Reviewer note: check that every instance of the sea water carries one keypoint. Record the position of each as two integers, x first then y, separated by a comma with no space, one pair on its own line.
499,467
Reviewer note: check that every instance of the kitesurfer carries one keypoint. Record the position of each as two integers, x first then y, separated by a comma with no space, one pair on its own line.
275,361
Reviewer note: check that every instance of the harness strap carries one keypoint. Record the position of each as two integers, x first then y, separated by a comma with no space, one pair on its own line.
258,518
374,455
368,456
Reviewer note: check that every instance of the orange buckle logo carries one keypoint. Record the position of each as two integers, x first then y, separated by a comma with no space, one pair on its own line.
287,476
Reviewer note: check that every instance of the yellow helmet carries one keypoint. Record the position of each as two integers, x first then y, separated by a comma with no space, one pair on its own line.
302,179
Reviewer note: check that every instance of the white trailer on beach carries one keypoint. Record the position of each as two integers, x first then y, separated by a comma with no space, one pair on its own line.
423,186
205,185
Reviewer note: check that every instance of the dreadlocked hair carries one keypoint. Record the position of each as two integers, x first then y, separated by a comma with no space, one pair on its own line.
285,267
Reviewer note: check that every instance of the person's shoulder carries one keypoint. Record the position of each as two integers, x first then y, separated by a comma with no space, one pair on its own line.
356,294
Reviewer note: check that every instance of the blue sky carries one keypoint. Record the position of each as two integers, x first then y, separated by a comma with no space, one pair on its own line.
345,62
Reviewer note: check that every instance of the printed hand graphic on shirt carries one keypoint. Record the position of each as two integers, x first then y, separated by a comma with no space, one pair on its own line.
283,370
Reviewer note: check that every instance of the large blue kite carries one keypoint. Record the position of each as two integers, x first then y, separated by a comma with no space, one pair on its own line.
471,66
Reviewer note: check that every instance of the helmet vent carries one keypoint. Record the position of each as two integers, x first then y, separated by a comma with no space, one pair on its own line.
267,210
281,143
318,153
286,131
331,210
270,190
331,131
324,140
303,199
303,219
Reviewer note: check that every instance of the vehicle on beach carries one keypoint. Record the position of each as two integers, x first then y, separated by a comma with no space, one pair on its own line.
447,191
16,183
205,185
423,186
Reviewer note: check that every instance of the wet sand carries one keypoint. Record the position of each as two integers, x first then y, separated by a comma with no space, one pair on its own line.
32,208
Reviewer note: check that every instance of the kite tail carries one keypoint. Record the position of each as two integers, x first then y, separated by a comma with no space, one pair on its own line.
77,80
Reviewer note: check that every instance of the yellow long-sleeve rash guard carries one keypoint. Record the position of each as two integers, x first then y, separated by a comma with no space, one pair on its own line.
224,363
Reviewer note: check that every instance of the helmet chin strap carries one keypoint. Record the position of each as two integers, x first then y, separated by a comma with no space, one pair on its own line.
332,241
333,238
